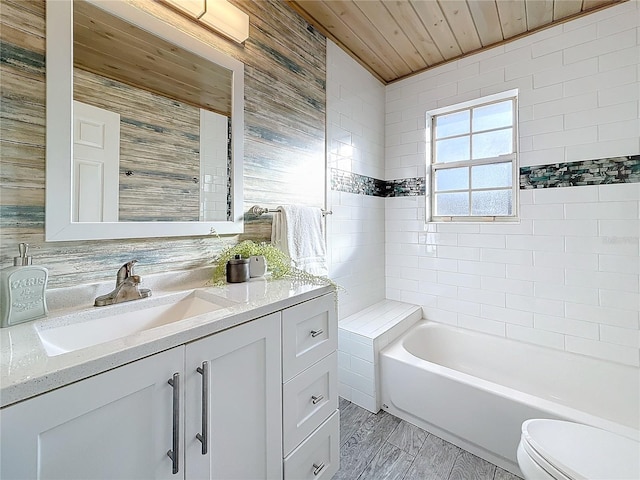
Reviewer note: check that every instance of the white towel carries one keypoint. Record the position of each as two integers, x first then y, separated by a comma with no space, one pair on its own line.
298,232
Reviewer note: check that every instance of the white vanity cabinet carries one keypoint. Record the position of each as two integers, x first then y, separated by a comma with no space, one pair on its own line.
311,431
119,424
114,425
255,401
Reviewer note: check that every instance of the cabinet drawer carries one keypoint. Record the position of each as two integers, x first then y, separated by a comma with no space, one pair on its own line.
318,457
308,399
309,333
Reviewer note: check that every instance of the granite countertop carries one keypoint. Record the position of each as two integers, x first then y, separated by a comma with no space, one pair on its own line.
26,370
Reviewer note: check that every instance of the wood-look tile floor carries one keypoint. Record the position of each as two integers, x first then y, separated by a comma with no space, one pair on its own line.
381,446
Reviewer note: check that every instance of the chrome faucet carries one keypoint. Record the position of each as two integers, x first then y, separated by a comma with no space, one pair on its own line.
127,287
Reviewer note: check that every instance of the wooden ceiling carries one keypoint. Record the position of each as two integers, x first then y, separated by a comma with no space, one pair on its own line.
108,46
395,39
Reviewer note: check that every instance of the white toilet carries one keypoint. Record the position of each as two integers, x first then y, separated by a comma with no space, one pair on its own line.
559,450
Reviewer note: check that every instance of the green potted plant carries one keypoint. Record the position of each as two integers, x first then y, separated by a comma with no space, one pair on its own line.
278,264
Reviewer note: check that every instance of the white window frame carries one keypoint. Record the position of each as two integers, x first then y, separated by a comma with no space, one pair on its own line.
433,167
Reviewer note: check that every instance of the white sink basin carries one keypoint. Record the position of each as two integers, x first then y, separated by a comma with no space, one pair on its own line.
109,323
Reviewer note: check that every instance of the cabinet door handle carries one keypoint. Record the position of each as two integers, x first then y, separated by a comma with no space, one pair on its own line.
315,399
315,333
174,453
203,437
317,468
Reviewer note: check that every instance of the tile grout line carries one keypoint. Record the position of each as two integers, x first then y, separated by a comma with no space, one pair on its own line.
416,455
454,462
365,467
377,451
386,440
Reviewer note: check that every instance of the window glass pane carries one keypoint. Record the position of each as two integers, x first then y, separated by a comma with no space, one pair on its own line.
452,124
492,175
452,203
452,150
493,116
491,202
452,179
492,144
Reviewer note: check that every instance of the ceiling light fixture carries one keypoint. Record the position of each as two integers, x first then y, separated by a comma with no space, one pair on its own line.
220,15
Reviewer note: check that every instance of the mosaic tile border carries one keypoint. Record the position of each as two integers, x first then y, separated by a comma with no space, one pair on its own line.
343,181
602,171
406,187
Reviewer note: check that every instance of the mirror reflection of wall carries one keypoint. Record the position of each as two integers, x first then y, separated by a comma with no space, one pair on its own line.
170,166
159,149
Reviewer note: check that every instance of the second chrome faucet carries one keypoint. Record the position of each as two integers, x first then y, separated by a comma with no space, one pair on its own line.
127,287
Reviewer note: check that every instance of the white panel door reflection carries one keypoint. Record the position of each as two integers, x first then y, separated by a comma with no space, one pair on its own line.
96,163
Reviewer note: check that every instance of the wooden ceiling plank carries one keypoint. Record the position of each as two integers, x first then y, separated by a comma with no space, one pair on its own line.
566,8
485,17
131,51
321,17
413,27
196,75
351,15
459,18
436,24
513,17
99,63
539,13
431,27
170,81
392,32
151,83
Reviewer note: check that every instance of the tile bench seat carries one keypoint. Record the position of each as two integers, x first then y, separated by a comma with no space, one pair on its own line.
361,336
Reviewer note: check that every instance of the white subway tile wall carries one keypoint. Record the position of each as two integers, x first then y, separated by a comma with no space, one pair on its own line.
355,143
566,276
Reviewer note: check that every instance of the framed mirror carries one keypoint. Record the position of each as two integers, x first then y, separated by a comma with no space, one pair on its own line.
145,127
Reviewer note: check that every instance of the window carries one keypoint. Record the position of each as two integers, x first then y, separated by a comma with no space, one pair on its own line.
473,160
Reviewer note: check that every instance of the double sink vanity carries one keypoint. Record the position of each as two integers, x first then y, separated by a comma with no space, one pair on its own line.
237,381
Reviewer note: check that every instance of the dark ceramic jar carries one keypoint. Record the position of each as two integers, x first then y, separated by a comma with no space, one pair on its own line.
238,270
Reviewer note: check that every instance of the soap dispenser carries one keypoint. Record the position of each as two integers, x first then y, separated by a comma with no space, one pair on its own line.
23,290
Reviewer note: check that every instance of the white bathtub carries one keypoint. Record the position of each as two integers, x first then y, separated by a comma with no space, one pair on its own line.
475,390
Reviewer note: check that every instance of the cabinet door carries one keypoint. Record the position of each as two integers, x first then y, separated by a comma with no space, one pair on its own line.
240,370
116,425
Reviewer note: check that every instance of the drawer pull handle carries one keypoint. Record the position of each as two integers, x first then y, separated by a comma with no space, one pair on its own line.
315,333
315,399
317,468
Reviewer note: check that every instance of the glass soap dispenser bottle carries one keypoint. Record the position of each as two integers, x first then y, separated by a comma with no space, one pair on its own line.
22,290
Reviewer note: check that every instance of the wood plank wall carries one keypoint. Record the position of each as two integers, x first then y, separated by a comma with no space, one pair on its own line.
285,65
